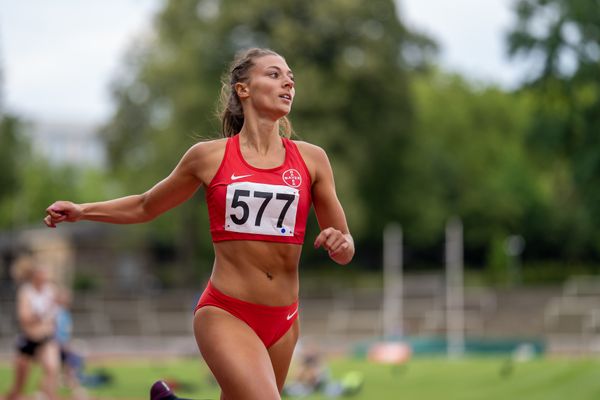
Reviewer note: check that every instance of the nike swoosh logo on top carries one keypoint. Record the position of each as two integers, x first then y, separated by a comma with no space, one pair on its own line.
233,177
292,314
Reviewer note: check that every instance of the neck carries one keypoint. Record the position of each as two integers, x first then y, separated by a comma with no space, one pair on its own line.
260,134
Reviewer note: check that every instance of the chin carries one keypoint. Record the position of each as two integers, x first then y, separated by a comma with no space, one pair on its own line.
281,113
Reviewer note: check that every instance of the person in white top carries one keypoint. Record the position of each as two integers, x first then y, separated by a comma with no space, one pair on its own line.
36,316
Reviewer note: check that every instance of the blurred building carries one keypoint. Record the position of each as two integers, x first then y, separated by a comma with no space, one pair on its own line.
63,142
85,256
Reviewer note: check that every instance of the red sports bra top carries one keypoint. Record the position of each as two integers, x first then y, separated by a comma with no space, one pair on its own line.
250,203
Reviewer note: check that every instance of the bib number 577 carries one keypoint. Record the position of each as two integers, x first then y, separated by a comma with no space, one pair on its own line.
261,208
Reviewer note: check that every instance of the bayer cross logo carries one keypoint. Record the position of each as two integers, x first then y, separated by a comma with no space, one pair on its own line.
292,178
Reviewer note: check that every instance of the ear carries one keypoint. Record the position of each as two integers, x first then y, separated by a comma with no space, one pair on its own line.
242,90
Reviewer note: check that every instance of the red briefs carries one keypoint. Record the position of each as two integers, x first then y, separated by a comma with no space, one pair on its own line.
269,322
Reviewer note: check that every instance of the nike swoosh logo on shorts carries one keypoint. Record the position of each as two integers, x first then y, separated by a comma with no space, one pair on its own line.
292,314
234,177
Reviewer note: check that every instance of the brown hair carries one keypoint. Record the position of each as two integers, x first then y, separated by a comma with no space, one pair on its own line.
230,110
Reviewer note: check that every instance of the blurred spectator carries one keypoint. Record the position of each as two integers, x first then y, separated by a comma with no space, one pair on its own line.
36,316
72,363
313,376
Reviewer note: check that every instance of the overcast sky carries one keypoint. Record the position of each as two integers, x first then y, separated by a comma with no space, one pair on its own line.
59,56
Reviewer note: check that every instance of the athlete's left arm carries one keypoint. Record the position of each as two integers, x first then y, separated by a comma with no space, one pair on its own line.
334,236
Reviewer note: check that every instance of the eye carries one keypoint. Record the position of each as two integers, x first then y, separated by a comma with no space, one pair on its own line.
274,74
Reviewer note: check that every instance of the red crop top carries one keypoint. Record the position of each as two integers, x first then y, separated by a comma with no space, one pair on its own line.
249,203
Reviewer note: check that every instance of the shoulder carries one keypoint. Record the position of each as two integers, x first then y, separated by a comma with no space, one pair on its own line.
315,159
203,158
310,151
204,153
206,148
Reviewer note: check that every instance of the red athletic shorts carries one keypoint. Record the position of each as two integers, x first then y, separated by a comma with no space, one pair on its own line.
270,323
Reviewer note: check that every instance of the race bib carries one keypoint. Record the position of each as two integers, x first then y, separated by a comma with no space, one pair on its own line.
260,208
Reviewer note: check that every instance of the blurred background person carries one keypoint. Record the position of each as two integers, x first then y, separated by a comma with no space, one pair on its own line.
311,373
36,315
71,362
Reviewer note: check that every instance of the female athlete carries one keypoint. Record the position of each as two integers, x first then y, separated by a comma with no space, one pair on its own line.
259,187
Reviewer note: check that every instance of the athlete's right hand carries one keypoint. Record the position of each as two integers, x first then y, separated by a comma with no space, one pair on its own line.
62,211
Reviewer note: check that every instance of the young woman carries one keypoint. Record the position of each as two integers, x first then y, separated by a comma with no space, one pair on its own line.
259,187
36,315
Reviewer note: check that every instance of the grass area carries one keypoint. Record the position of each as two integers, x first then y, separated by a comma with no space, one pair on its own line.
422,379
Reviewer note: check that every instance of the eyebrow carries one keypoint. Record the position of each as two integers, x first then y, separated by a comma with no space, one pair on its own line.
279,69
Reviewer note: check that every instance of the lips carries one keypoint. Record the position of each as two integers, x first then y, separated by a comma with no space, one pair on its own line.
286,97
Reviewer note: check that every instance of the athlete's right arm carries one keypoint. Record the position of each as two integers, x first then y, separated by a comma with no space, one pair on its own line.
179,186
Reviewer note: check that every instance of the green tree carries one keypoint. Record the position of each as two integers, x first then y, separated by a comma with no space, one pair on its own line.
470,160
12,150
561,39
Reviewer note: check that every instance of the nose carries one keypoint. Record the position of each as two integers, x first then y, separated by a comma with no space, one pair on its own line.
288,83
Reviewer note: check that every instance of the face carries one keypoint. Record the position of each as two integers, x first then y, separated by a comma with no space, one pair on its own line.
270,89
39,276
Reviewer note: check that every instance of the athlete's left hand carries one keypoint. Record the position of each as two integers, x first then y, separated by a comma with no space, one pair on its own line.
339,246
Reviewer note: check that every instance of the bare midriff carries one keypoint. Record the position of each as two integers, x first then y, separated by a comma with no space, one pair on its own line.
39,329
257,272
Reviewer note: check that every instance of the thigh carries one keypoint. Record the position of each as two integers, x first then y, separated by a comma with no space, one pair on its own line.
22,367
48,355
236,356
281,354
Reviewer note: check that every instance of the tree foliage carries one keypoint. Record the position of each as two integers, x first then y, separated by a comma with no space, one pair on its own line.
407,143
469,160
11,153
562,39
